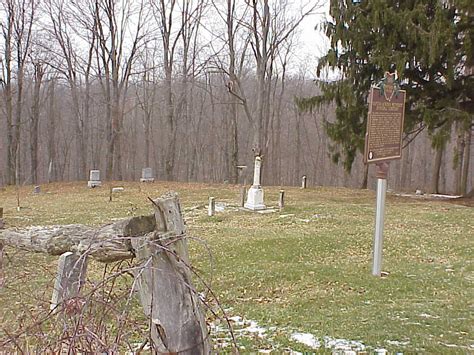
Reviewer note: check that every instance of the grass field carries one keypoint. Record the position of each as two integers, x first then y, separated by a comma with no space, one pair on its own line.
288,274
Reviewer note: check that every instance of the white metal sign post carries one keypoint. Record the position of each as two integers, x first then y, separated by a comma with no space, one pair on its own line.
381,174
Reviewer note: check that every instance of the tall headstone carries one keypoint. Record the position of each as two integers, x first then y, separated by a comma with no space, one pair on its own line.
94,179
255,194
147,175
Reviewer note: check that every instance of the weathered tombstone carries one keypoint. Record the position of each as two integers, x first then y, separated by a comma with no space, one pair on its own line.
147,175
303,182
281,200
94,179
212,207
255,193
383,142
37,189
70,278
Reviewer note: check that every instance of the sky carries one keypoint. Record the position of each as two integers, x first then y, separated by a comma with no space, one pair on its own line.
314,43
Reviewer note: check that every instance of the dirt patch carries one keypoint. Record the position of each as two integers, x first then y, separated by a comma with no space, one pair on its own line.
465,200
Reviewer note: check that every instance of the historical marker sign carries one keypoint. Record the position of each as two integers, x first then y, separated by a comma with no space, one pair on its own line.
383,140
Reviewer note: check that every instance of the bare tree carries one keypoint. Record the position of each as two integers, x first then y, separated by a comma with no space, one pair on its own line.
34,119
116,53
7,31
64,19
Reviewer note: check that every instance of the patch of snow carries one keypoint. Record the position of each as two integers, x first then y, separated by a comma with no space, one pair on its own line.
254,328
306,339
343,344
450,345
397,343
444,196
426,315
268,210
220,206
237,320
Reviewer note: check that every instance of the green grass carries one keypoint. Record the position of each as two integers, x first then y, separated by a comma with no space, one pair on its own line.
306,268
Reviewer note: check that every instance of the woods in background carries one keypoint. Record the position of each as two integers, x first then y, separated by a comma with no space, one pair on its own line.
190,88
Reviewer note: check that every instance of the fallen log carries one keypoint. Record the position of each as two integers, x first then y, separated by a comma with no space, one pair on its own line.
108,243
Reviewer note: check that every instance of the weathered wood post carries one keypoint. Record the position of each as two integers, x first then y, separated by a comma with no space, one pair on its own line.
211,209
165,287
70,278
281,200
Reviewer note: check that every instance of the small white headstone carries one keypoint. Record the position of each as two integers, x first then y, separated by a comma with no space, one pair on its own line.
147,175
94,178
212,207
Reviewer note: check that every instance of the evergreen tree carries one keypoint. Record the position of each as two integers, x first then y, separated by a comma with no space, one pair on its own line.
428,42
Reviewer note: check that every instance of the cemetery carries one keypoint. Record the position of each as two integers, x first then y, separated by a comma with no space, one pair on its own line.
236,177
297,279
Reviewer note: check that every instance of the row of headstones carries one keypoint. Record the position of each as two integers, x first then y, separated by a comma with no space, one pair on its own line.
255,200
94,177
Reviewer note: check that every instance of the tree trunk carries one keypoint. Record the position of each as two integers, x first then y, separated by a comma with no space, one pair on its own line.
365,178
52,160
9,99
297,170
436,170
459,157
35,113
467,161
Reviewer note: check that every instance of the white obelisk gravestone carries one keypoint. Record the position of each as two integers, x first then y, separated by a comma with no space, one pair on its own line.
255,194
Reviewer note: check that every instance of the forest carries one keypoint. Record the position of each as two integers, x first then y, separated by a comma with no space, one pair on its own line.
195,89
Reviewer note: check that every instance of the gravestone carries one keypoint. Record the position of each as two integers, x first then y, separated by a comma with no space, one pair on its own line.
212,207
303,182
70,278
37,190
147,175
255,194
94,179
